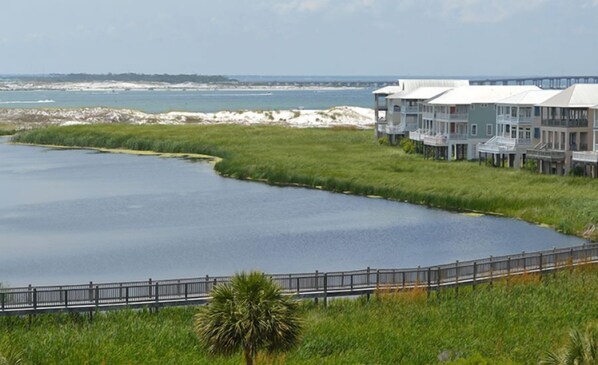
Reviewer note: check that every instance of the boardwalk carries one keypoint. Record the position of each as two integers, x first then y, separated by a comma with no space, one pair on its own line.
110,296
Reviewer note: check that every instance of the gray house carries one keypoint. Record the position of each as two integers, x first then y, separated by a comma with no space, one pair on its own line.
565,128
461,118
588,160
517,128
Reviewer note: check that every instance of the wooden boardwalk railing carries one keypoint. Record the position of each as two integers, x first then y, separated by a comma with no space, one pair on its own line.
107,296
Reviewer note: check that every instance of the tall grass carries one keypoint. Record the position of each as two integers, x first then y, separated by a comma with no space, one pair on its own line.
350,160
514,322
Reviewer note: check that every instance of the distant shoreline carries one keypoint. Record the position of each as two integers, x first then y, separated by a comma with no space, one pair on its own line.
135,86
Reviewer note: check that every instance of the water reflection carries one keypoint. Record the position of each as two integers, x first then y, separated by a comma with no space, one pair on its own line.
69,216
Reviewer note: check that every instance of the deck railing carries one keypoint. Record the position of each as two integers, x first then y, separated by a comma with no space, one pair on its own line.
105,296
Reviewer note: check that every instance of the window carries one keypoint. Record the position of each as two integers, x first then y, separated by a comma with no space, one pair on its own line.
537,111
489,129
474,129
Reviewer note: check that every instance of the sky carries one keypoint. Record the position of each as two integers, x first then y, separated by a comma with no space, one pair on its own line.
301,37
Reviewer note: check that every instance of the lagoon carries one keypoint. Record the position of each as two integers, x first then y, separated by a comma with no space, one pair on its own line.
73,216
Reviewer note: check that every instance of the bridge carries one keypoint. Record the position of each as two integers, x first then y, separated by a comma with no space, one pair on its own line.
183,292
544,82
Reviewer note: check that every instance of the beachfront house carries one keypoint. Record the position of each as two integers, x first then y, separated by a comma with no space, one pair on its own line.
565,128
459,119
402,106
381,108
517,128
588,160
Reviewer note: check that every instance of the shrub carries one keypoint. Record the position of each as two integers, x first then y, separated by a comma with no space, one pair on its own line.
407,145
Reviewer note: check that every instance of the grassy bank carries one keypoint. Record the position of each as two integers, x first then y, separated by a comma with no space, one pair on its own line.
350,160
6,129
513,323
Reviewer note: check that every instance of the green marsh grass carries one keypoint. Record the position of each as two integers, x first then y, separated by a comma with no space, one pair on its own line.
513,322
344,159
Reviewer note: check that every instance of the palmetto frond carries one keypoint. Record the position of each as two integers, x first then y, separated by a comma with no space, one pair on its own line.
250,314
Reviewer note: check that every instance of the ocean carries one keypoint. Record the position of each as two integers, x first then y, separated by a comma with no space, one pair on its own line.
207,101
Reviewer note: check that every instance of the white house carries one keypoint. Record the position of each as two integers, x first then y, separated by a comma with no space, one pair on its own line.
402,113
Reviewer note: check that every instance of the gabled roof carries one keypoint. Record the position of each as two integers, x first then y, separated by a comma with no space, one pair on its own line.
409,85
478,94
422,93
387,90
530,97
575,96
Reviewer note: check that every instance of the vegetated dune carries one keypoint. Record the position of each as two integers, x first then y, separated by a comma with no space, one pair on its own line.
338,116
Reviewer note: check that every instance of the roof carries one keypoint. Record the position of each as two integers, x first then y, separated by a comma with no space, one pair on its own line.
479,94
422,93
575,96
531,97
387,90
413,84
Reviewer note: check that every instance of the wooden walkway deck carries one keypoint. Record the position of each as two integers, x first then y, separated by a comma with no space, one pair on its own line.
180,292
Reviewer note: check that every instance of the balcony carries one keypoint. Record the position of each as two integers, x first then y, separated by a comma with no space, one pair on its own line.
443,139
436,140
394,129
410,109
507,119
565,123
545,153
587,156
381,127
428,115
503,145
452,117
418,135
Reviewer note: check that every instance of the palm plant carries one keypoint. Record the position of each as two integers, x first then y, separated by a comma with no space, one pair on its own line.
581,349
250,315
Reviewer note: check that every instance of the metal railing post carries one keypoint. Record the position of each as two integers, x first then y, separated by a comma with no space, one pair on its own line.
475,273
325,289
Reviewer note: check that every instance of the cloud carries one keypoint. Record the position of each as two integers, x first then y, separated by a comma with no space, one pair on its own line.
487,11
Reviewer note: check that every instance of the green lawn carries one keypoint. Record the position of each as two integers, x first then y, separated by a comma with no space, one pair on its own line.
350,160
514,323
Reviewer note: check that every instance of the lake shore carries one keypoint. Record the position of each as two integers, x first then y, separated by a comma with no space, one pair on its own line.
350,161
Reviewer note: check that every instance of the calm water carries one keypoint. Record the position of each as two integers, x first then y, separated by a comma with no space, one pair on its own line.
71,216
156,101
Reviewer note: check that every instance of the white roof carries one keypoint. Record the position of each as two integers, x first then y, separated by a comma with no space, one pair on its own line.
387,90
531,97
409,85
479,94
575,96
422,93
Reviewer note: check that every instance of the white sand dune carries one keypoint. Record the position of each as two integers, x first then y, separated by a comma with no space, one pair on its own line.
333,117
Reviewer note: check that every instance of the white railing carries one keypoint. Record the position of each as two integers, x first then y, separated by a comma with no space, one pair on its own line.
410,109
394,129
513,120
436,140
418,135
428,115
587,156
459,117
